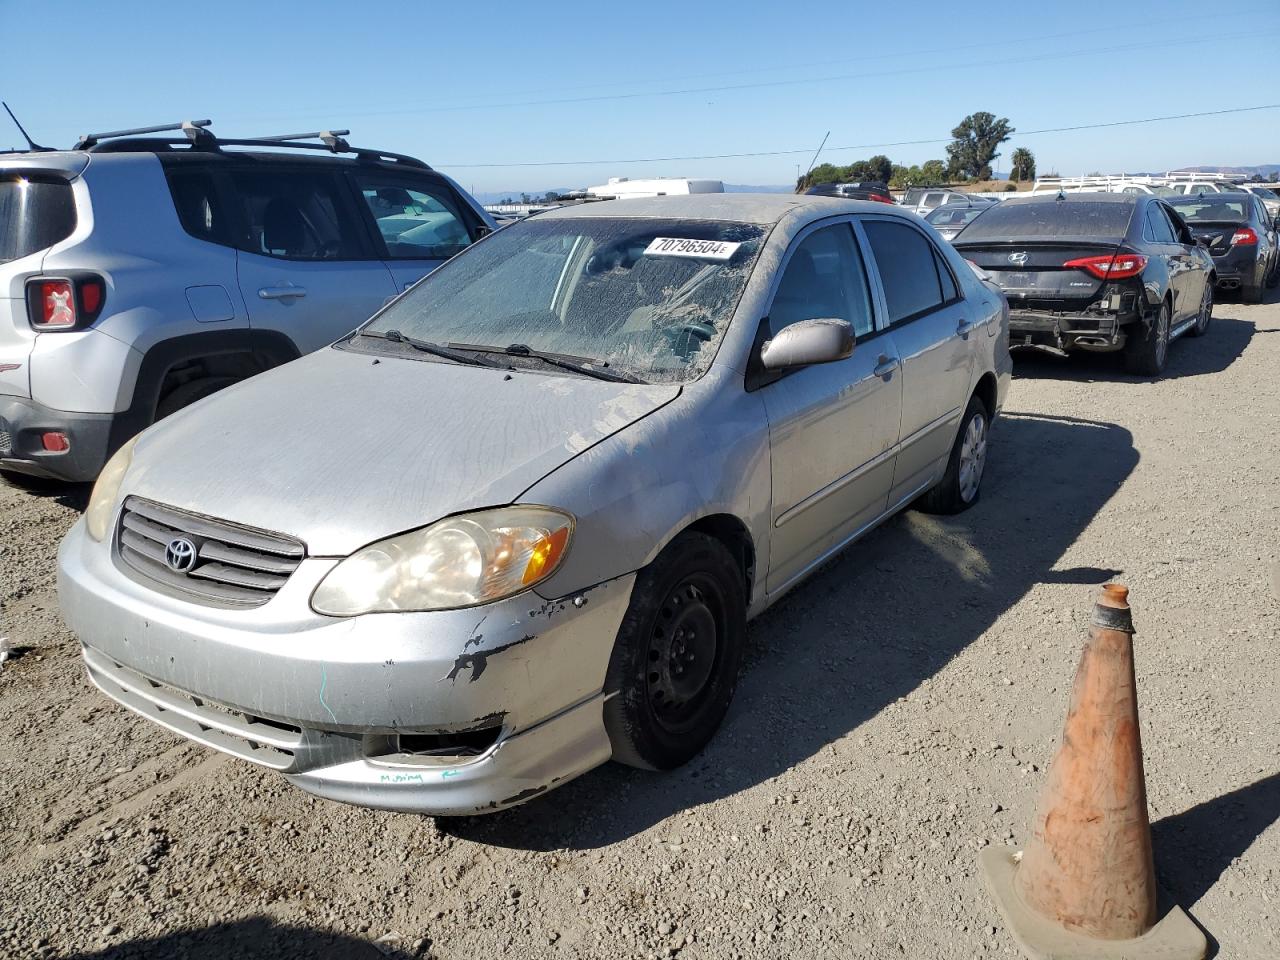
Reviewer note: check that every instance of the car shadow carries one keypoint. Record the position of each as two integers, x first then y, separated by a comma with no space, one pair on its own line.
868,629
72,495
1195,847
255,938
1223,343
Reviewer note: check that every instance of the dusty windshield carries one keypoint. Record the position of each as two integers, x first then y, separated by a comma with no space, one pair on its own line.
650,298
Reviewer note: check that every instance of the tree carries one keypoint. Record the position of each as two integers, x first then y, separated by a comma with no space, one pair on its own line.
932,173
970,154
1024,165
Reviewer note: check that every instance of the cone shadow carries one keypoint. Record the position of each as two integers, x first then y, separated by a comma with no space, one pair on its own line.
1194,848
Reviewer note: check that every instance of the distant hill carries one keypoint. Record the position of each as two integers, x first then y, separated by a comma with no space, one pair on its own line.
1262,171
497,196
755,188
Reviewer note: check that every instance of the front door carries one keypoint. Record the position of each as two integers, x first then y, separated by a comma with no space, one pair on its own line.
832,427
306,267
931,330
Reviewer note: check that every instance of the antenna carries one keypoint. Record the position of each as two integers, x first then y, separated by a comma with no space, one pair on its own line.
35,147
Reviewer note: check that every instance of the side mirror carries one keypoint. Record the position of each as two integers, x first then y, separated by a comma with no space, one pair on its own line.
806,343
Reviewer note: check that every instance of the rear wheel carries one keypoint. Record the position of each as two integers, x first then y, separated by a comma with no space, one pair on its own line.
1206,311
960,486
188,393
675,662
1146,351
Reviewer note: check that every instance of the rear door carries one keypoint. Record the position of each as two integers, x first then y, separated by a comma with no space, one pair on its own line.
306,265
929,324
418,222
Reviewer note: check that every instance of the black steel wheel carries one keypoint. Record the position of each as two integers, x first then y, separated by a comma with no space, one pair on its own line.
675,662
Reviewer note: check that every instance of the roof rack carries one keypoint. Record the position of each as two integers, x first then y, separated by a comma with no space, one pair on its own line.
196,136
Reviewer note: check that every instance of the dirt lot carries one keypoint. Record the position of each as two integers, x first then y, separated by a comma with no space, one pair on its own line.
896,715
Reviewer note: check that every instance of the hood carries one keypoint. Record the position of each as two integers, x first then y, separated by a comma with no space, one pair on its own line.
340,449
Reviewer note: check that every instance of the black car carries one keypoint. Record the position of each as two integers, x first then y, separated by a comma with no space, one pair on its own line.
1095,271
1240,235
866,190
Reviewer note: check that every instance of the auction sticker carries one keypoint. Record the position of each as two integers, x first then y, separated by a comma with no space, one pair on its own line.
698,249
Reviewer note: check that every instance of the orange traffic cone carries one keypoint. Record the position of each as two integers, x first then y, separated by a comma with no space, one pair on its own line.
1085,887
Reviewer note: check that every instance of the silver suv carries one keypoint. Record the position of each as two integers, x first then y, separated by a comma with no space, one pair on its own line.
139,274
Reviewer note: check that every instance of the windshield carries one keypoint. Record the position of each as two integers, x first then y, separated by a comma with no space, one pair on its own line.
1265,193
34,215
648,297
1052,218
948,216
1212,208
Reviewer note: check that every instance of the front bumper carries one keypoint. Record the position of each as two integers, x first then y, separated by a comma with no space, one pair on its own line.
1097,331
22,422
331,702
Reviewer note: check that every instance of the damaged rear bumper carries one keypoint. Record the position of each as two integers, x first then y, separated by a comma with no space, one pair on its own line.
450,712
1091,330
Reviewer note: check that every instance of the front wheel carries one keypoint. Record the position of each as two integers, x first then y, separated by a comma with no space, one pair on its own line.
1146,351
675,662
1206,312
961,484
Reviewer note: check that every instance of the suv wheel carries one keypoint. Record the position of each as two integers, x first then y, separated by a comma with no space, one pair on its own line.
1206,311
1145,352
675,663
960,486
188,393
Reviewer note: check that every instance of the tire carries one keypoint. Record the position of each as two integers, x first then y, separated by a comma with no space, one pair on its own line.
1147,351
188,393
1201,326
1273,278
676,659
961,486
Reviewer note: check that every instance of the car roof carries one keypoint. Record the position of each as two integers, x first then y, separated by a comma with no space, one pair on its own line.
1078,196
760,208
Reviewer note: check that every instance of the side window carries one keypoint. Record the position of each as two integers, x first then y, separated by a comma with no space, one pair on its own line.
824,278
417,221
296,215
907,269
949,289
1161,229
199,208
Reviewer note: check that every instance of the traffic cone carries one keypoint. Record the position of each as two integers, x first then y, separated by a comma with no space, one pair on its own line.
1085,887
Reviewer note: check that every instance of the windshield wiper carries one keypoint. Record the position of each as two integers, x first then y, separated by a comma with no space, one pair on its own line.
435,349
591,368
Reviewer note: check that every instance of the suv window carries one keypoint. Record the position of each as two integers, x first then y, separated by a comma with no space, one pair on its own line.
199,208
34,215
908,269
824,278
416,222
1158,228
295,214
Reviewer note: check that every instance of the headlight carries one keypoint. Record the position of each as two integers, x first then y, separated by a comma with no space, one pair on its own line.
458,562
97,517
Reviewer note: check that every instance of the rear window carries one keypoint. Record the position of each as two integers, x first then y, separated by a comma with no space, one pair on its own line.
1211,209
1051,218
34,215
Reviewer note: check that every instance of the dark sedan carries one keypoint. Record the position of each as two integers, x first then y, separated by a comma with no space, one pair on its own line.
1240,235
1095,271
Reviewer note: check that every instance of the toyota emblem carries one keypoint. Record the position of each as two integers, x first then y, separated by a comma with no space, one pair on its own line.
1019,258
180,554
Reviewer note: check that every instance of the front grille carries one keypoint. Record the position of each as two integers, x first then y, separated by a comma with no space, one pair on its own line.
6,443
234,566
257,739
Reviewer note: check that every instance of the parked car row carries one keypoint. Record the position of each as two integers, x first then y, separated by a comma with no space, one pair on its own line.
470,539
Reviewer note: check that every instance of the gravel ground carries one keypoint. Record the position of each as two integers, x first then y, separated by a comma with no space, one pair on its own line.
895,716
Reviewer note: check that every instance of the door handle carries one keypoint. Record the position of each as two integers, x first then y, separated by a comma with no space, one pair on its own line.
282,293
966,328
885,366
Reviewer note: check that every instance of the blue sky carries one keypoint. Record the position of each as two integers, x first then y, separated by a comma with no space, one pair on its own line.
463,85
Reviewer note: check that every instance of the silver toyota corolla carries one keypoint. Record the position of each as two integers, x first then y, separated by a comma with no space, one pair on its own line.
515,525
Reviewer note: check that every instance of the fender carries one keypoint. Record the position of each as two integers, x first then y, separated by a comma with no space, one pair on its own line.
163,356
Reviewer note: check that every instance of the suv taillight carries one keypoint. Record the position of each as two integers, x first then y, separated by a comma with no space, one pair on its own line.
65,303
1244,237
1117,267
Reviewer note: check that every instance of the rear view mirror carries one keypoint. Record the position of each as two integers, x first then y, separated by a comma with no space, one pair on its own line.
806,343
